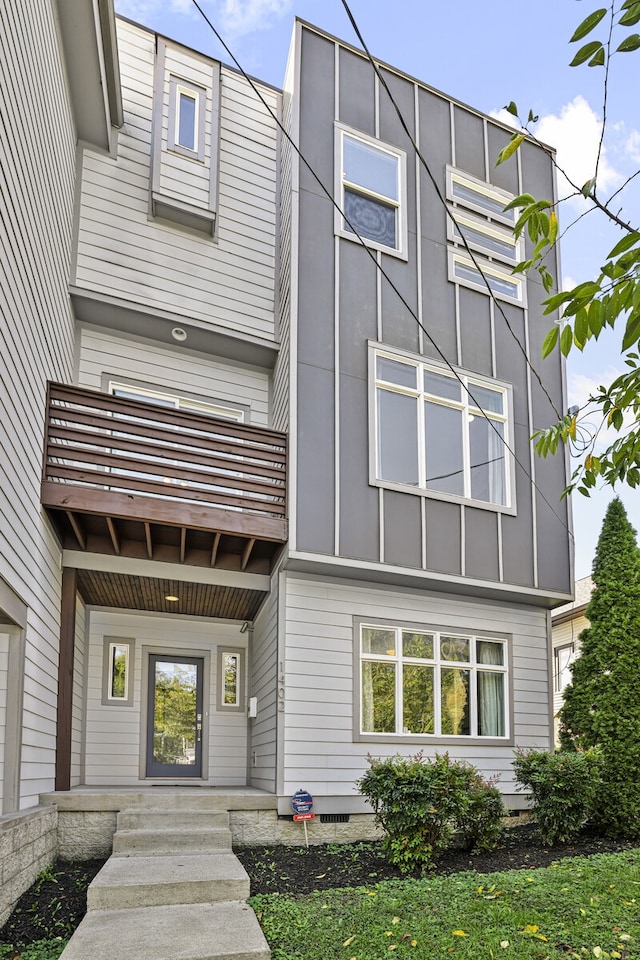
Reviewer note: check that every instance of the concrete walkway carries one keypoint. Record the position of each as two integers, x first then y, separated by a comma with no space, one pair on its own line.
172,890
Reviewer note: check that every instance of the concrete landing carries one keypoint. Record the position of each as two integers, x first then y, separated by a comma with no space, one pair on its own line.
208,931
170,893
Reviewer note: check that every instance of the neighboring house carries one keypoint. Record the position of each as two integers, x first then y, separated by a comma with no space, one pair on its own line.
567,623
275,531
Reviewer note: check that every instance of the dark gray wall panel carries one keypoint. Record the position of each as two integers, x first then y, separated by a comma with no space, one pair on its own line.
438,302
315,508
481,543
356,96
443,536
517,536
391,131
402,529
358,310
399,327
317,109
506,175
316,279
359,513
553,547
469,136
475,331
511,364
435,146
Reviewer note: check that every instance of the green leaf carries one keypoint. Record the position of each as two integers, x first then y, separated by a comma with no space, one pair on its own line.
588,24
631,17
597,60
632,332
630,43
532,118
510,148
553,227
581,328
628,241
595,317
585,53
550,341
524,200
566,340
557,300
512,109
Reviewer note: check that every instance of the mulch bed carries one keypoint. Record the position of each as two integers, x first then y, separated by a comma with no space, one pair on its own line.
298,870
54,906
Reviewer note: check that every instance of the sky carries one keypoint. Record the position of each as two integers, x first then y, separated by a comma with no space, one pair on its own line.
486,55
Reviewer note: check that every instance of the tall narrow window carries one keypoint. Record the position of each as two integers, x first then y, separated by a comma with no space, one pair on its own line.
187,119
231,679
117,672
370,188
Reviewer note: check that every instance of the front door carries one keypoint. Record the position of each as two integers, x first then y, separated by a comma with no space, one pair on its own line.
174,720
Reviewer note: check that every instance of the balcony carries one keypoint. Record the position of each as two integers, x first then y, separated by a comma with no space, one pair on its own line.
133,479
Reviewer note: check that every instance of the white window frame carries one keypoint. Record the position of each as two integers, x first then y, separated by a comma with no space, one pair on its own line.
110,645
239,654
400,204
437,663
177,88
491,221
465,405
557,670
176,402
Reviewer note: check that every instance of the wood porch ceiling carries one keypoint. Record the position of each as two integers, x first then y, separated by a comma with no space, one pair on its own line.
149,594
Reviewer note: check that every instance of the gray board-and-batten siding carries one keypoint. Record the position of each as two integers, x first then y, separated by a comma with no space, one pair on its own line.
342,303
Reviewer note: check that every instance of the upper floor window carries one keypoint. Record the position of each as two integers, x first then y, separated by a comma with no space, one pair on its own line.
371,191
432,682
563,657
478,208
186,116
130,392
440,433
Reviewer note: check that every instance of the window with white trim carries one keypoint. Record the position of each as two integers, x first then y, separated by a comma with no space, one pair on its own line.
177,403
231,679
478,208
432,683
371,191
439,432
563,657
186,118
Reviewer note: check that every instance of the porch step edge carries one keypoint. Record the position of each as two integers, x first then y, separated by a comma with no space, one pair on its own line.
209,931
157,842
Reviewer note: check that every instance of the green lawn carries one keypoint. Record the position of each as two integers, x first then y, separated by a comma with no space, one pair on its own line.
580,907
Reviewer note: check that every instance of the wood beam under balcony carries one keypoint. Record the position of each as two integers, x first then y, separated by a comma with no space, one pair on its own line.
113,533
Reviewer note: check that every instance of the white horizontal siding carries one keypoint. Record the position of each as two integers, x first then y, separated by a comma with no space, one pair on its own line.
263,685
4,676
113,733
177,371
124,253
562,634
36,344
320,751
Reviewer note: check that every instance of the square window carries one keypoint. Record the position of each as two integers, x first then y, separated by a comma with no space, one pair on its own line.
431,683
371,191
440,432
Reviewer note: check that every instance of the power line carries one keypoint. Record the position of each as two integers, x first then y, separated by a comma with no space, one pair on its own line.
379,266
446,206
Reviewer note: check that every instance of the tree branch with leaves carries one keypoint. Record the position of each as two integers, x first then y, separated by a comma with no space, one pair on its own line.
612,300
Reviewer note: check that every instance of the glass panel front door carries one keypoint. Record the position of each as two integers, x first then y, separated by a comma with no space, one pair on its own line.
174,722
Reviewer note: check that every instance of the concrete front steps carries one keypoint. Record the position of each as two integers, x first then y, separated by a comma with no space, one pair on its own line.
172,890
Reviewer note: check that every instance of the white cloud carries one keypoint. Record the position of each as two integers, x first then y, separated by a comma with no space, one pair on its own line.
505,117
239,17
632,146
568,283
233,18
575,135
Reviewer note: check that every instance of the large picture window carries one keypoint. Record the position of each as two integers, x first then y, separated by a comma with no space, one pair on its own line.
441,434
370,191
416,682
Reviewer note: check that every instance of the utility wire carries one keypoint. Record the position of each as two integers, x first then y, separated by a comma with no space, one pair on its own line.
374,259
444,203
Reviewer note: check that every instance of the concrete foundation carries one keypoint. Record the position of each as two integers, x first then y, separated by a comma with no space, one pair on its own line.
28,844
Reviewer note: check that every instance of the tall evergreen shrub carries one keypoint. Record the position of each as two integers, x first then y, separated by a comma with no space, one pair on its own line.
602,703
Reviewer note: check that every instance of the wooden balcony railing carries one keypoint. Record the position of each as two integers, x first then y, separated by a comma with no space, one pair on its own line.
128,460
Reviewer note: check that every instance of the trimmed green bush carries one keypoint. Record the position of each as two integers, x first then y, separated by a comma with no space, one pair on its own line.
565,788
422,805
